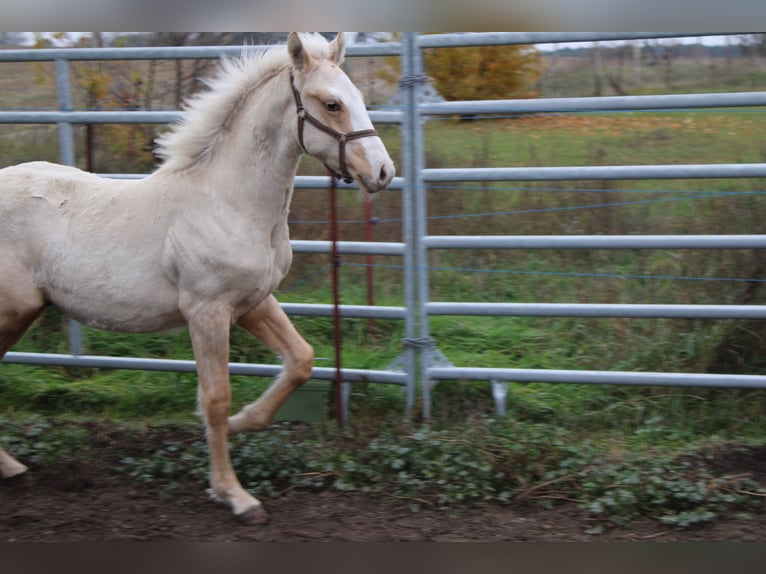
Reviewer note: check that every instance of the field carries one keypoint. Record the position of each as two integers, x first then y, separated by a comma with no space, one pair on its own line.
567,462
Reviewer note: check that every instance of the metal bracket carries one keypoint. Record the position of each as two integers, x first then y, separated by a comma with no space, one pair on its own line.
410,81
435,357
419,342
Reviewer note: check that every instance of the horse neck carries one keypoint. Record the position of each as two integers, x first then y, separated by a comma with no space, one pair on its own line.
256,164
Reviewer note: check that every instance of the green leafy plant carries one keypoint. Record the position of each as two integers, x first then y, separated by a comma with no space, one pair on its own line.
485,461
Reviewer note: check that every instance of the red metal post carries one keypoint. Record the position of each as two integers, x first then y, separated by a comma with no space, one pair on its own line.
335,262
368,235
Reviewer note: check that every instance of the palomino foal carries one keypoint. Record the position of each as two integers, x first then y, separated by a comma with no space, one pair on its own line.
201,242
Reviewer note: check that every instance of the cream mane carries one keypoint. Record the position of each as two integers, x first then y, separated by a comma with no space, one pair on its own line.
210,113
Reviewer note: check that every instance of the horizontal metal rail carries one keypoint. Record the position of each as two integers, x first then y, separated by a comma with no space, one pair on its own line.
145,53
638,311
134,116
595,241
91,117
171,52
322,182
511,38
348,247
598,377
301,181
393,116
597,104
348,311
142,364
606,172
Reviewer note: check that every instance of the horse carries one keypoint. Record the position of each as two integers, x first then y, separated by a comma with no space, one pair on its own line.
202,241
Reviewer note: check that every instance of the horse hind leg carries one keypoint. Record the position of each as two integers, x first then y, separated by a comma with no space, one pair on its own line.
269,323
9,466
20,304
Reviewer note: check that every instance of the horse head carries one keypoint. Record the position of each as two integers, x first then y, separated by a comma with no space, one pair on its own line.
333,123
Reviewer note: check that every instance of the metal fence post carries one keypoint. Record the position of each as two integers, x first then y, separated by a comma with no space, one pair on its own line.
416,257
426,344
409,228
67,157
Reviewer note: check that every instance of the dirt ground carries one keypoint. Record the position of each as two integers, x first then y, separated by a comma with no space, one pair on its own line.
75,502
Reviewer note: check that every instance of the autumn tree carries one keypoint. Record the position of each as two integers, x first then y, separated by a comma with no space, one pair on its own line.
479,72
485,72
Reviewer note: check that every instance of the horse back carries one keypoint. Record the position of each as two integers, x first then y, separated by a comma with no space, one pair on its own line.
40,182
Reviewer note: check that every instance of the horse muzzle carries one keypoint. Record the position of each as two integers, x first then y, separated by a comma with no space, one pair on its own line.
380,177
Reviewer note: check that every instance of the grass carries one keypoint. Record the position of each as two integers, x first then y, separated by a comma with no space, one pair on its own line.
574,77
599,139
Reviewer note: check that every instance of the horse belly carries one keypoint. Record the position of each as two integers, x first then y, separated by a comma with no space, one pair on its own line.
111,294
134,312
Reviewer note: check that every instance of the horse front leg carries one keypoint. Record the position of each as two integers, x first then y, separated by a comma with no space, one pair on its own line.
210,341
269,323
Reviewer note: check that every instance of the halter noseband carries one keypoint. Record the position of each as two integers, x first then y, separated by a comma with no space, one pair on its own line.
342,137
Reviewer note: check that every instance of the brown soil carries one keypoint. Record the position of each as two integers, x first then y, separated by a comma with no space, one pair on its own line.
79,502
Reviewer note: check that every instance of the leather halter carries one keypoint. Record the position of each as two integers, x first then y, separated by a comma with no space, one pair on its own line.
342,137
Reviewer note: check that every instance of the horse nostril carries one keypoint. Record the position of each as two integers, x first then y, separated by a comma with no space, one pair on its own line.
383,174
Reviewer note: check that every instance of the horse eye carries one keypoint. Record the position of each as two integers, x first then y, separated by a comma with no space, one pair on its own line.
332,106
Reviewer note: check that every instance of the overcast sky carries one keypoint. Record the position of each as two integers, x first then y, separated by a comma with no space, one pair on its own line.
707,40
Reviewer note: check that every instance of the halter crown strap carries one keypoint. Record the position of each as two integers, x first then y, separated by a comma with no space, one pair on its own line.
342,137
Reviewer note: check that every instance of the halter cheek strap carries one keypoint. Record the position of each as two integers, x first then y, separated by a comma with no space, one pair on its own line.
342,137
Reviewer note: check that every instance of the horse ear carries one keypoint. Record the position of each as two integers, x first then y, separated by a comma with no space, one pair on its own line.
338,48
298,54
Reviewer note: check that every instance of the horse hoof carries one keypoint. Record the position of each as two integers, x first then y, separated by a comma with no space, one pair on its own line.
253,516
12,470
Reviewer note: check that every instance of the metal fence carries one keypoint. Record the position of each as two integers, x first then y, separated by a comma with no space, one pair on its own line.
420,365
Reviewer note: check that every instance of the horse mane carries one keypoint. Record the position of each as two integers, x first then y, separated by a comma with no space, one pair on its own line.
210,113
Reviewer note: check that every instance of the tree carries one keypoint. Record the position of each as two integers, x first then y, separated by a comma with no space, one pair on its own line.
478,72
485,72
